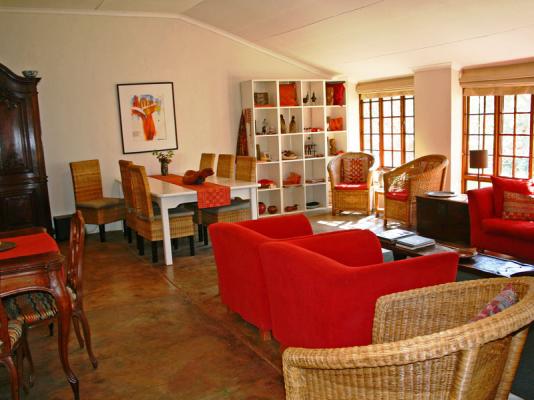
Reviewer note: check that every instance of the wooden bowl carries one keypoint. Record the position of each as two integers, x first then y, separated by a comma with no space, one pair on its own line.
467,252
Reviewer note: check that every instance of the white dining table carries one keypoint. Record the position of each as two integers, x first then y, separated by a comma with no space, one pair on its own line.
169,195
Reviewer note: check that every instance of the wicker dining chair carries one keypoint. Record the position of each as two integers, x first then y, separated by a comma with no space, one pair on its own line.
13,349
34,308
238,210
403,184
424,347
351,196
126,184
148,221
96,208
207,160
225,165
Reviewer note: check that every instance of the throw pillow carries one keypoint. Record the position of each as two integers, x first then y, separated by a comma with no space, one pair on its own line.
400,183
518,206
338,93
506,298
500,185
288,94
354,170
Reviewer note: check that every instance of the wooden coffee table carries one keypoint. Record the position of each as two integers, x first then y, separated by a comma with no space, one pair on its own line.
481,264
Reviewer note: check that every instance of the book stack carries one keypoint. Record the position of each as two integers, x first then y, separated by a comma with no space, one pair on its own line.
414,242
392,235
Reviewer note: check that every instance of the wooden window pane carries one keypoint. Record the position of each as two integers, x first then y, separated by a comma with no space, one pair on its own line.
508,123
410,156
386,108
488,144
505,166
366,109
523,102
521,168
522,146
475,104
396,125
387,142
474,124
396,108
375,124
489,104
397,159
409,142
376,154
408,107
408,125
375,142
367,142
507,146
366,126
388,159
522,124
475,142
489,170
374,109
387,125
489,127
397,142
508,106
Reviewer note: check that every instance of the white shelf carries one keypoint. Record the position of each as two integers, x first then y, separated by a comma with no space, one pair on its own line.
305,117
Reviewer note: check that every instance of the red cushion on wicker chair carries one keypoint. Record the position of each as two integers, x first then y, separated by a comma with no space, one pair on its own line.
354,170
351,186
401,195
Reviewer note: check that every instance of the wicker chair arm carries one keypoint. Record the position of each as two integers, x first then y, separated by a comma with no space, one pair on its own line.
454,338
334,171
424,182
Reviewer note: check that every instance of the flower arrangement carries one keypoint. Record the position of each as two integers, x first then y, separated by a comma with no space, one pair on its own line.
165,158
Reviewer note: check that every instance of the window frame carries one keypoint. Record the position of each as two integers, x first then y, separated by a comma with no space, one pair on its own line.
498,111
403,152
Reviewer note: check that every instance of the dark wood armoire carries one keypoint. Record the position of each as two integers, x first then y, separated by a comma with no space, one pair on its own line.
23,181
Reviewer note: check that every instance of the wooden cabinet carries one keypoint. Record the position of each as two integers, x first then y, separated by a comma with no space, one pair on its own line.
23,181
444,219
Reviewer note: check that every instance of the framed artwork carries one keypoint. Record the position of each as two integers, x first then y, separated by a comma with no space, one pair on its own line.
148,120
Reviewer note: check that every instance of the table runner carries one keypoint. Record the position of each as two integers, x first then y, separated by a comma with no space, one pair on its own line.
29,245
208,194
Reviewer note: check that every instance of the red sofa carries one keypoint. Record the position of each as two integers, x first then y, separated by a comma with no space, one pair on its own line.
236,250
317,302
491,232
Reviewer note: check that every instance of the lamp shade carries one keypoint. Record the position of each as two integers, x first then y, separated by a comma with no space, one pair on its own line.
478,158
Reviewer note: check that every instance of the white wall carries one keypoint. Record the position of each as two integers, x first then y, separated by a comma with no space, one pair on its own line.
82,58
438,118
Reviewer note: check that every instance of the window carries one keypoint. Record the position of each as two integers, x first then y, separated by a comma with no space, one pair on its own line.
387,129
502,125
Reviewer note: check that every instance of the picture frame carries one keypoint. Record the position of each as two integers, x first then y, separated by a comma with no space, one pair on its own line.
261,99
147,117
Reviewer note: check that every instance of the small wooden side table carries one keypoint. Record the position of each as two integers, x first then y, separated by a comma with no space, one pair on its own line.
379,194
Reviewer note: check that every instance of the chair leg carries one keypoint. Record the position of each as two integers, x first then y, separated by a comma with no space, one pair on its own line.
76,324
205,234
175,243
129,234
154,251
28,356
87,336
51,329
124,228
102,229
200,233
13,377
141,245
192,245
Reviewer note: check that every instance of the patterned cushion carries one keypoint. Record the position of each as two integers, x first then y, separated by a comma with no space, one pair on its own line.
14,329
31,307
502,301
351,186
518,206
354,170
399,184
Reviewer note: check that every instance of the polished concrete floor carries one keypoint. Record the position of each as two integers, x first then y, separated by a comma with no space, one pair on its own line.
161,332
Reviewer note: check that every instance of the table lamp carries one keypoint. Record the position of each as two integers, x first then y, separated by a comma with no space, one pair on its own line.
478,159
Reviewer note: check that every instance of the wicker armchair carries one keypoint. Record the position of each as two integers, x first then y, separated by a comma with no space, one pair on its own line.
423,348
207,160
421,175
238,210
148,221
96,208
347,197
128,199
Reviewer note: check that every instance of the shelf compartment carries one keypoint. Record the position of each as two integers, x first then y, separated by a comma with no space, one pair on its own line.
292,196
266,121
336,119
283,98
313,118
315,171
317,193
289,113
269,87
292,143
340,141
270,198
269,171
311,87
314,145
268,144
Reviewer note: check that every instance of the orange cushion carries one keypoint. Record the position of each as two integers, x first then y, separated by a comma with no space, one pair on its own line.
354,170
335,124
500,185
401,195
288,94
351,186
518,206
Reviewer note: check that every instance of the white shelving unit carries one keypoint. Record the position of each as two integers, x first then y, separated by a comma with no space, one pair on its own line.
309,141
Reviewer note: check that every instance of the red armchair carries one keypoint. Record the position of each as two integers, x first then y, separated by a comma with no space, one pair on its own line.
236,249
317,302
491,232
